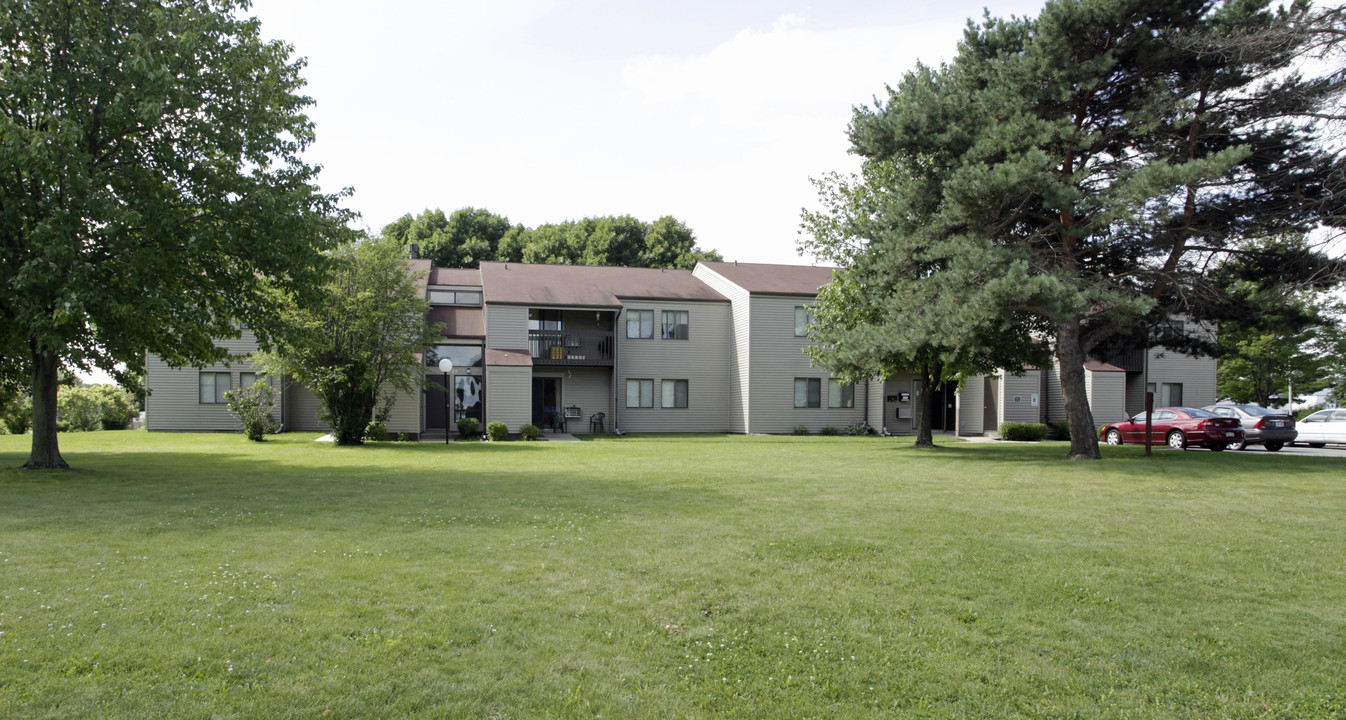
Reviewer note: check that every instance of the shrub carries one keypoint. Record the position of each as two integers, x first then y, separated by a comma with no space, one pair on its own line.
1023,432
252,405
403,437
1060,430
468,426
78,410
859,427
829,430
497,431
530,432
799,430
376,430
17,415
117,406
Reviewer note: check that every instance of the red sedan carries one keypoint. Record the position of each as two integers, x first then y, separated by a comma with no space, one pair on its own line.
1178,427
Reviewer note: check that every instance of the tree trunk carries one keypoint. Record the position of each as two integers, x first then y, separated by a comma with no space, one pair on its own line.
920,415
45,453
1070,363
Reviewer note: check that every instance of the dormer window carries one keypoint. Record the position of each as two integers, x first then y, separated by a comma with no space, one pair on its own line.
455,297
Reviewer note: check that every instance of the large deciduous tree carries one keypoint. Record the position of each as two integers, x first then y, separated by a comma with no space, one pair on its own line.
471,235
359,346
1089,166
152,195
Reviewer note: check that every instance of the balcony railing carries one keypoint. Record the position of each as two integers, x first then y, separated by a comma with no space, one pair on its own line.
570,347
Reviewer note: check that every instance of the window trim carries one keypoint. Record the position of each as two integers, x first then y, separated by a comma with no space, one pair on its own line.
808,319
686,325
836,392
217,394
809,402
640,395
640,325
663,393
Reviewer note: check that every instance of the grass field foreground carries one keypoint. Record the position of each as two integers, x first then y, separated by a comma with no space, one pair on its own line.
201,576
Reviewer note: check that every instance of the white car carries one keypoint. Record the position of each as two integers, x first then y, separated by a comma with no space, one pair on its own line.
1322,427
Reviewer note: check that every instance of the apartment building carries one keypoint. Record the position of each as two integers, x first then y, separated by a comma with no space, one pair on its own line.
715,349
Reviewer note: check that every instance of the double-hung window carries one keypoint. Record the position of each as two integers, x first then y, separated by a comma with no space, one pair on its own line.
248,379
675,325
803,319
808,392
213,386
639,324
674,394
639,393
839,395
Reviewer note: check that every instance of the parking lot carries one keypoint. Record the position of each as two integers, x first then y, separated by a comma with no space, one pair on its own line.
1329,451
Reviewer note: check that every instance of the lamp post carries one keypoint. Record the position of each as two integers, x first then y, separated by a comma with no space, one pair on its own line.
446,367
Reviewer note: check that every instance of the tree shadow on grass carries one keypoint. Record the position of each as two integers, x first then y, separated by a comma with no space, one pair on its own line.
325,487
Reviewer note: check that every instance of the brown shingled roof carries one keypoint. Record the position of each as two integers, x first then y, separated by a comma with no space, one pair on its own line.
515,358
469,277
1093,365
767,279
459,321
588,285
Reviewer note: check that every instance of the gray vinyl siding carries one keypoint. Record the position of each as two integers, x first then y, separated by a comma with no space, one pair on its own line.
509,395
589,388
1107,396
972,406
740,344
873,405
776,358
1135,393
701,360
301,412
506,327
894,387
1197,375
174,401
1053,402
406,412
1024,387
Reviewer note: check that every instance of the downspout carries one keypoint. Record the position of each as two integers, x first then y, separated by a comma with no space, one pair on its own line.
616,366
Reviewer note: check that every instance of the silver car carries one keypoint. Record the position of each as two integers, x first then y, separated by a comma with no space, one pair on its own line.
1268,428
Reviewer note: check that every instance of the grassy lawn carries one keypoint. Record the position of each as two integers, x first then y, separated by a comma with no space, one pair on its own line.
200,576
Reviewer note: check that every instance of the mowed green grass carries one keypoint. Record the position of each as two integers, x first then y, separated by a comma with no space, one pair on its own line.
201,576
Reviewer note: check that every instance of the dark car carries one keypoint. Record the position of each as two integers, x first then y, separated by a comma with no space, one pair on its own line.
1178,427
1268,428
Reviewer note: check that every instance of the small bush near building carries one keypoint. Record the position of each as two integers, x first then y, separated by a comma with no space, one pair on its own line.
376,431
1060,430
468,426
403,437
252,406
799,430
1023,432
829,430
530,432
859,427
497,431
17,415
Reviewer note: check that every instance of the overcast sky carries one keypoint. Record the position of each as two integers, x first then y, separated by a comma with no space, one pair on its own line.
716,113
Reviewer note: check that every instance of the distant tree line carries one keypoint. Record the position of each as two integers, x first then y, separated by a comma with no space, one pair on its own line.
469,236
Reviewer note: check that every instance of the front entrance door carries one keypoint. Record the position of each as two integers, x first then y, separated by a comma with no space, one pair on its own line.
942,408
465,400
546,401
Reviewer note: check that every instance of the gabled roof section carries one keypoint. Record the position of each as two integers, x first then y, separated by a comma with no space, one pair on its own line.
768,279
1093,365
588,285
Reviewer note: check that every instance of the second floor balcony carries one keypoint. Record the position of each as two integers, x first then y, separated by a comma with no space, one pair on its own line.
571,347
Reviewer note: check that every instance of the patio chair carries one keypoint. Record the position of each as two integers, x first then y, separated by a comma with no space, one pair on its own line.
596,422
